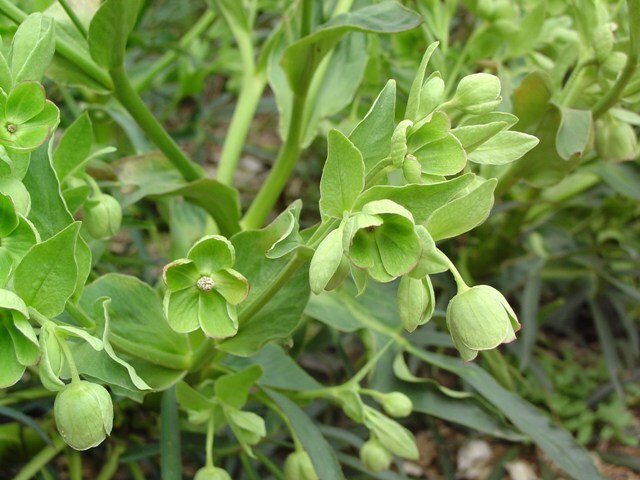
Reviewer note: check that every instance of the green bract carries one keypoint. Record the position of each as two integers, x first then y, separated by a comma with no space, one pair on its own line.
18,342
298,466
203,289
381,239
26,117
84,414
480,319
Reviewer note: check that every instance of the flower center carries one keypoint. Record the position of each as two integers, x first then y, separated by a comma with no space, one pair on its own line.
204,284
11,127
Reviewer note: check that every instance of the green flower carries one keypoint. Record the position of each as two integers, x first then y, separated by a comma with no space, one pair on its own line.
26,116
84,414
479,318
203,290
382,240
17,236
18,342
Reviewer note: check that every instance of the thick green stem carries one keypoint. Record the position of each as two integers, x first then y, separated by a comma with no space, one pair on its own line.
130,99
209,445
38,462
71,363
159,357
613,94
282,168
143,82
250,94
170,458
110,467
74,18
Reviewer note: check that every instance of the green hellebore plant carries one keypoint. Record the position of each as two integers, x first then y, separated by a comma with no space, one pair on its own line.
203,290
479,318
26,117
382,240
84,414
18,342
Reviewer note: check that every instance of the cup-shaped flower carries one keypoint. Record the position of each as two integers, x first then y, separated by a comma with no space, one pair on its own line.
212,473
479,318
298,466
203,290
382,240
26,116
18,342
84,414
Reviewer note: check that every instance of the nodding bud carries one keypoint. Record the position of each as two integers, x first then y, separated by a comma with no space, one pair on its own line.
102,216
396,404
84,414
298,466
211,473
478,93
374,456
603,41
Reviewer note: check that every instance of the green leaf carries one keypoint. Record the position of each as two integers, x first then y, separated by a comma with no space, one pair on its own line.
326,261
322,454
624,179
472,136
502,148
573,133
8,218
528,31
109,30
6,80
48,212
421,200
146,175
424,132
413,103
74,147
233,388
46,277
342,176
530,99
301,59
372,136
281,313
463,213
442,157
32,48
287,226
135,310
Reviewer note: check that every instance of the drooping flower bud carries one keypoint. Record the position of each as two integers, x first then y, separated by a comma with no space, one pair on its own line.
396,404
298,466
102,215
480,318
616,141
477,93
84,414
374,456
211,473
603,41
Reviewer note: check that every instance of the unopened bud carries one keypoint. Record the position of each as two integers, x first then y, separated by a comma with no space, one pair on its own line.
84,414
478,93
397,404
374,456
102,216
616,141
298,466
603,42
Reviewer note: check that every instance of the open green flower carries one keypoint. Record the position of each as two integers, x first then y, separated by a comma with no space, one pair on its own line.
479,318
26,116
18,342
382,240
203,289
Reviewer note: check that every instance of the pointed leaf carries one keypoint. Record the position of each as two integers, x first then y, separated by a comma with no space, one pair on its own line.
110,29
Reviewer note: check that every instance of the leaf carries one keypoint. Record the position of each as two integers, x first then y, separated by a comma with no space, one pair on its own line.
528,31
602,319
281,313
342,176
502,148
46,277
320,451
32,48
109,30
530,99
8,218
233,388
413,103
372,136
624,179
48,212
573,133
73,148
301,59
463,213
135,310
326,261
421,200
472,136
444,156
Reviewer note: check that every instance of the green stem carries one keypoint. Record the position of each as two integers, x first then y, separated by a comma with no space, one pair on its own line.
143,82
159,357
130,99
276,284
78,314
250,94
612,95
170,458
307,18
74,464
110,467
462,286
209,445
40,460
73,369
74,18
279,174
